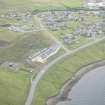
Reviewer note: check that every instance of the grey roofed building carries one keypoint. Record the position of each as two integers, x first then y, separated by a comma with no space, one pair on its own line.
44,54
95,3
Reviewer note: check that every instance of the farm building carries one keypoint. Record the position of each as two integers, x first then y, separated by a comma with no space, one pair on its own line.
44,54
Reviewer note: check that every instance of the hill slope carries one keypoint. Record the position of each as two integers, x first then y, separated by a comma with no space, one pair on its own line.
39,4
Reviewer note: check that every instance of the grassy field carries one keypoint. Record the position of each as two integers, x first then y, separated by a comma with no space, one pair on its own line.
8,35
39,4
13,87
26,44
66,69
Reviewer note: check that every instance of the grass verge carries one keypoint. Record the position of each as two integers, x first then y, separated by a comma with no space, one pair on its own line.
13,87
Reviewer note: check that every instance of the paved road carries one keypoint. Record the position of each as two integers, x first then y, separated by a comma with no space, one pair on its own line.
35,82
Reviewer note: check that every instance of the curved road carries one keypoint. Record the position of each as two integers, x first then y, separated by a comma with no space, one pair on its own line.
35,82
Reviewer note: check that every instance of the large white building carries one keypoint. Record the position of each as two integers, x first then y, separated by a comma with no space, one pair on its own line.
95,3
44,54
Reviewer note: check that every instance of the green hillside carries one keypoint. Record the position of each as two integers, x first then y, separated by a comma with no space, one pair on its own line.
39,4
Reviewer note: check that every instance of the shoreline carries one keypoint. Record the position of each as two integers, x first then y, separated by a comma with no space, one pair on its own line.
69,84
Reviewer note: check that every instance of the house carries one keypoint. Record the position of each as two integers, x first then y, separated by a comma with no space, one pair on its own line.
16,29
70,38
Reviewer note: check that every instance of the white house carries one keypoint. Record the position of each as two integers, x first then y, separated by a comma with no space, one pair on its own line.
95,3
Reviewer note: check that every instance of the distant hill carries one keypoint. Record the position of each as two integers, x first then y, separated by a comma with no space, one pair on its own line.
39,4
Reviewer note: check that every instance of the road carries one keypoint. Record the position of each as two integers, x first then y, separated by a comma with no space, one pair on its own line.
35,82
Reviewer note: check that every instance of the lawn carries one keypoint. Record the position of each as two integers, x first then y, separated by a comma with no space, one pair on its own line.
66,69
13,87
81,41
